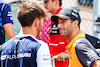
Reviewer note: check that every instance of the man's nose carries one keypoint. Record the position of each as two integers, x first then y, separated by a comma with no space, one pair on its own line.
59,25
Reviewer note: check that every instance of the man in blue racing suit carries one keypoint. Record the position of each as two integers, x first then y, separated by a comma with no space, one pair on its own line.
24,50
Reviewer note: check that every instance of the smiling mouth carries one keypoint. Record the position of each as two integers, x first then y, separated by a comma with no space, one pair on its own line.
61,31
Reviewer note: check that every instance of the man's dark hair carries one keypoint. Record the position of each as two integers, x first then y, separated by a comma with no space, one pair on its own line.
78,23
28,12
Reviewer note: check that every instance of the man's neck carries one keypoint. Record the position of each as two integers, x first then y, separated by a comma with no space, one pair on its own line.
55,11
26,30
72,35
58,10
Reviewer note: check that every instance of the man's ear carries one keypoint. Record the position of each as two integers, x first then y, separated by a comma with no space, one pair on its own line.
36,22
75,23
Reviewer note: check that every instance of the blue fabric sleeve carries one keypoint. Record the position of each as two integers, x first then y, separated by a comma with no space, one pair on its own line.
6,14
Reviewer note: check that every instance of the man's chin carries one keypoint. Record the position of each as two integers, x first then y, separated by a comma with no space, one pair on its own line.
62,36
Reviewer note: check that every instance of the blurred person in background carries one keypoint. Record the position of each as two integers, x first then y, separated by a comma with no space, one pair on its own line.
44,36
57,43
6,22
24,50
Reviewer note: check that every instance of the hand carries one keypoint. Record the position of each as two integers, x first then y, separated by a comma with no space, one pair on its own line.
61,56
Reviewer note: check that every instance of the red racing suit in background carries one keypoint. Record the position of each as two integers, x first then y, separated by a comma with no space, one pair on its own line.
57,43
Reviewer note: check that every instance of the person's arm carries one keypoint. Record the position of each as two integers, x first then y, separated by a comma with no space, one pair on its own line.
96,63
9,30
86,53
7,21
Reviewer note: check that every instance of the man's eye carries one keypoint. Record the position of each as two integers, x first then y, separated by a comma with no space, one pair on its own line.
63,21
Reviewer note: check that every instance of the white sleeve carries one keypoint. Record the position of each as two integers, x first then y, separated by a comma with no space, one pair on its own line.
43,56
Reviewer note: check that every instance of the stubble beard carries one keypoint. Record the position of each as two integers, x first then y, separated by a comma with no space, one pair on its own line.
39,29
